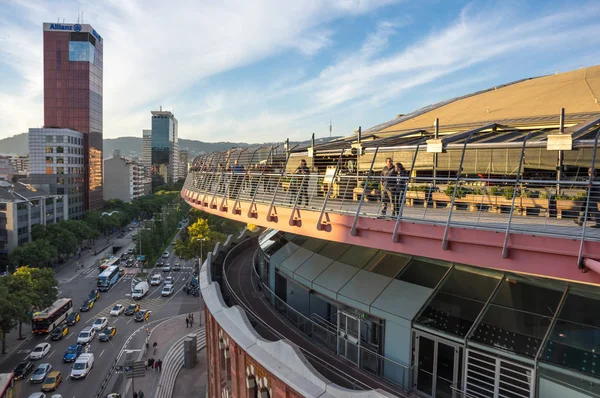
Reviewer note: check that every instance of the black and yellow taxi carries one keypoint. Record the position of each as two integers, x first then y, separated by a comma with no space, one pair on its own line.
108,333
73,318
59,332
52,381
94,295
121,271
86,305
142,315
132,309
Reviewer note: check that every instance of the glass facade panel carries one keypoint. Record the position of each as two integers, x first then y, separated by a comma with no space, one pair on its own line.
357,256
333,250
387,264
459,301
423,273
81,51
575,340
518,317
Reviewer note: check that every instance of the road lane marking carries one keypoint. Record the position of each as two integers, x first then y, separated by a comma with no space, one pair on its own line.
101,353
115,321
47,337
70,335
128,322
51,353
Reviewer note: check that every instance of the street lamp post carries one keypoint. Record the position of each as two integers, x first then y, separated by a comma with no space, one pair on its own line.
201,254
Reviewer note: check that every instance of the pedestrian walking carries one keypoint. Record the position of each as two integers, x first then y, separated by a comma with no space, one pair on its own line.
187,323
135,394
156,366
192,316
151,363
146,363
160,365
147,332
141,394
191,322
154,346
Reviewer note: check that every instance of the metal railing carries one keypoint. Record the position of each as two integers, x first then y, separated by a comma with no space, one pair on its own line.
521,203
324,367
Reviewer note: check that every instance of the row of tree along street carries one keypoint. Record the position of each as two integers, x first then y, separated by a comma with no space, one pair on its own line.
54,243
25,291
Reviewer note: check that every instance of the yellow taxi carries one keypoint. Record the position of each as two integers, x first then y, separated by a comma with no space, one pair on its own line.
132,309
142,315
52,381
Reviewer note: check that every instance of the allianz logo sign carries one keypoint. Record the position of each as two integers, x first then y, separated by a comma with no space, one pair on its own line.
57,26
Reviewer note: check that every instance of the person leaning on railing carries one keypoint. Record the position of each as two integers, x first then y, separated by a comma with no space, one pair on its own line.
388,187
400,187
593,198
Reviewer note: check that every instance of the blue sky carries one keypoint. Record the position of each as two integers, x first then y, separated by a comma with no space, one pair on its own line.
260,70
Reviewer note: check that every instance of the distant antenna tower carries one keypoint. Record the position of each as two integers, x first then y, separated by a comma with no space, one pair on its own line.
330,128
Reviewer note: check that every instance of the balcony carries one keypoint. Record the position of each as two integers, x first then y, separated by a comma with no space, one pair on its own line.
343,196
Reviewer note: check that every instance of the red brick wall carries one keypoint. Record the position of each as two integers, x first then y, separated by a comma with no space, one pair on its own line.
240,364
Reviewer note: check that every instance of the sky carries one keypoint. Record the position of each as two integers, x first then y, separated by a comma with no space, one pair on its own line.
262,71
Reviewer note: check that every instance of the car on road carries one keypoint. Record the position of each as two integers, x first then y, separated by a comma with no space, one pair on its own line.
117,310
38,395
121,271
177,267
23,370
73,318
166,254
40,351
142,315
86,335
94,295
132,309
40,373
155,280
100,323
72,353
82,367
52,381
167,290
107,334
59,332
130,250
86,305
166,268
160,263
169,280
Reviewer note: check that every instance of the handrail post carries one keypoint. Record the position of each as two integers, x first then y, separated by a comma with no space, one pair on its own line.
337,168
399,215
587,203
225,182
216,179
204,173
262,173
362,196
283,172
237,199
458,175
512,206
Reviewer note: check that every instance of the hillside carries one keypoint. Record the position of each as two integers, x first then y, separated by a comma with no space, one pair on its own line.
129,146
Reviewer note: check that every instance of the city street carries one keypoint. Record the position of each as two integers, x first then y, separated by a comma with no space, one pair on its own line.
130,334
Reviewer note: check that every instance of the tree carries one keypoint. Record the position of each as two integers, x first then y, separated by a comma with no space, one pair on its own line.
36,254
38,231
10,310
62,239
199,230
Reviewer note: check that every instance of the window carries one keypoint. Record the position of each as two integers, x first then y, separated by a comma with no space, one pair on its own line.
60,149
49,149
49,160
59,160
49,201
60,191
49,138
59,138
49,170
81,51
60,170
2,206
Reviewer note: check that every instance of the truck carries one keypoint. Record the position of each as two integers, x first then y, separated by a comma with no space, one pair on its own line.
140,290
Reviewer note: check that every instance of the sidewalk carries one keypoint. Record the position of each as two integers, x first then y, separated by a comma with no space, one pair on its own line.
165,335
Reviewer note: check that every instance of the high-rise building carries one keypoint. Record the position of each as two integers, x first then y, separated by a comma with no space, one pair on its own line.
57,163
453,253
183,164
147,151
124,179
165,148
73,73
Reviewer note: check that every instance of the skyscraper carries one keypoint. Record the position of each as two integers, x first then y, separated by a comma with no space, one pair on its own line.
73,94
147,151
165,148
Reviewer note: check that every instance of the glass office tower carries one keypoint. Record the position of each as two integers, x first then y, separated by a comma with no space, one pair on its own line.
73,94
165,148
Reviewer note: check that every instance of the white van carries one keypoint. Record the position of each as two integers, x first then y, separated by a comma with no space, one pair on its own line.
140,290
86,335
82,366
156,280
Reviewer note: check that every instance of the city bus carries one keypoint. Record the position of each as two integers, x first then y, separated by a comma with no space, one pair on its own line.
44,321
109,262
108,278
7,385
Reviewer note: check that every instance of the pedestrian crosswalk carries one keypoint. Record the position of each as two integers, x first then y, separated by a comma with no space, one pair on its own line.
145,304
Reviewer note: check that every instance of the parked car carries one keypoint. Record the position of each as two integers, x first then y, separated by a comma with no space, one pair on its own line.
73,318
99,324
40,373
86,305
132,309
117,310
107,334
59,332
52,381
40,351
23,370
72,353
